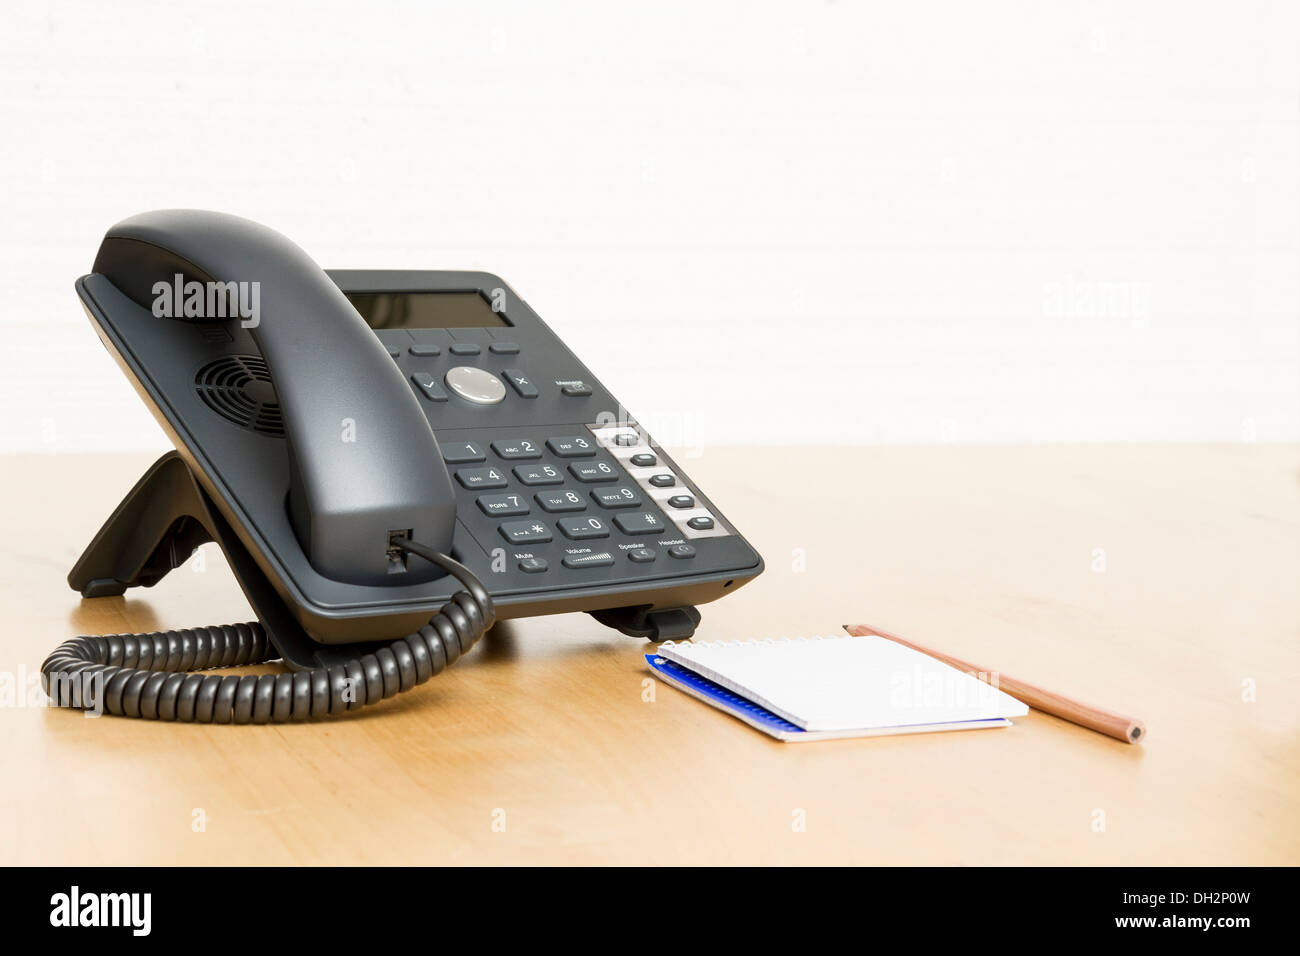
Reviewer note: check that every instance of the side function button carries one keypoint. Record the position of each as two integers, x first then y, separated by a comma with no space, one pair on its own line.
503,348
533,565
682,551
644,460
701,523
641,555
581,528
639,522
554,501
503,505
574,447
538,474
576,390
601,560
459,452
591,471
525,532
429,385
663,481
682,501
513,449
480,478
521,383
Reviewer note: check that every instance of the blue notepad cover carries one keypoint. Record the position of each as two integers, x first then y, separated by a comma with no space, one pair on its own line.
723,698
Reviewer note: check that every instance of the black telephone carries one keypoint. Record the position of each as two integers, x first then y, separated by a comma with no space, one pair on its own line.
389,460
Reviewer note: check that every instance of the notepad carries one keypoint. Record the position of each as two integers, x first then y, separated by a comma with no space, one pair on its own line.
823,688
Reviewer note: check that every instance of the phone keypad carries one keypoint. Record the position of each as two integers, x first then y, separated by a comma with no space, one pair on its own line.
580,502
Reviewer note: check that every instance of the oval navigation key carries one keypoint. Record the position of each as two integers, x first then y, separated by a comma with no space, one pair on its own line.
475,385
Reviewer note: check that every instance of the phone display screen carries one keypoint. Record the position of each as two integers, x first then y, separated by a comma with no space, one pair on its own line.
426,310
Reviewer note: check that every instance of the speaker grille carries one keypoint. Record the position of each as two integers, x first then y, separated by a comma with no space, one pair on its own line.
238,388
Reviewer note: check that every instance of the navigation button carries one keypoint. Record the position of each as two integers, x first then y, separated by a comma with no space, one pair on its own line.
601,560
521,383
581,528
475,385
639,522
525,532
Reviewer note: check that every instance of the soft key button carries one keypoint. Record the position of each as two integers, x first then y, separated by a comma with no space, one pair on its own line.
617,438
697,523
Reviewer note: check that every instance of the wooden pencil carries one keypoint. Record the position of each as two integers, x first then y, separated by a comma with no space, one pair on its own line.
1127,729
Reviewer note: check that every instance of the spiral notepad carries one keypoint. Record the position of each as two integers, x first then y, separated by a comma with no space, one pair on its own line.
819,688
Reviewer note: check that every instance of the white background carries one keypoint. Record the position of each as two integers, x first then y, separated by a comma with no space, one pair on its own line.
804,222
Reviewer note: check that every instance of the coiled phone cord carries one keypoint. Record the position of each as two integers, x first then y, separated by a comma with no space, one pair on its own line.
148,675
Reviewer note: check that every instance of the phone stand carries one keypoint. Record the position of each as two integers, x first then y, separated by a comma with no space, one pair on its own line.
158,525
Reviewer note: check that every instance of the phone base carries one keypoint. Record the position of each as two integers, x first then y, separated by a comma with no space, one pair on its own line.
158,526
658,624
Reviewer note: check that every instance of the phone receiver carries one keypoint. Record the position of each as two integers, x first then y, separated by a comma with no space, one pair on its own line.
364,463
366,482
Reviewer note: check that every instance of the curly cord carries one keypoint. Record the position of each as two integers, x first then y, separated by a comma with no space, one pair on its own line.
146,675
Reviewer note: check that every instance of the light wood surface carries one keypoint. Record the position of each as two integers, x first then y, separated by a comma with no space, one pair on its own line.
1160,581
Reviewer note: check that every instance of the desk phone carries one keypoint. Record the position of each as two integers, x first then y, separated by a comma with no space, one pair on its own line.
390,460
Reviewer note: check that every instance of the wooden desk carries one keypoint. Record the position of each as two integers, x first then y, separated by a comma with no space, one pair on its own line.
988,552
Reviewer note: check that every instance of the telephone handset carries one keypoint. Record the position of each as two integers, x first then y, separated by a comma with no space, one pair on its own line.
389,460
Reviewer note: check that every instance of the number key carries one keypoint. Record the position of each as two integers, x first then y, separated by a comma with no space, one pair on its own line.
581,528
591,471
459,452
504,505
538,474
480,478
560,501
513,449
620,497
574,447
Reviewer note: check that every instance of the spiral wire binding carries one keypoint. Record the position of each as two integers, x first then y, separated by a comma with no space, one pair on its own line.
148,675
